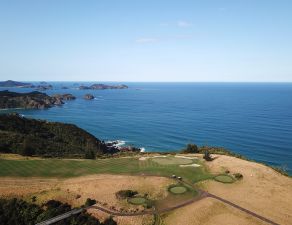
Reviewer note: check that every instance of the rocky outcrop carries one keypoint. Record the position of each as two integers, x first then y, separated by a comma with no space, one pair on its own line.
11,83
65,97
88,97
103,87
31,100
44,87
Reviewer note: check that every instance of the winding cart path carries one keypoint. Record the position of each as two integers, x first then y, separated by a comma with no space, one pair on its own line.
202,194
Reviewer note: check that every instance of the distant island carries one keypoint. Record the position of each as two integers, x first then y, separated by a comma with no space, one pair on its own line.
11,83
103,87
31,100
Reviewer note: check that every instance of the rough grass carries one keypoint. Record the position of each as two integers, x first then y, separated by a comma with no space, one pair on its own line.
61,168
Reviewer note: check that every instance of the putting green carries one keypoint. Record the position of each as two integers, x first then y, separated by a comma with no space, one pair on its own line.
178,190
172,161
224,179
137,201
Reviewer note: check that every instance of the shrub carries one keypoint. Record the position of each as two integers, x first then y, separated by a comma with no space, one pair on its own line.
191,148
109,221
238,176
90,202
123,194
207,156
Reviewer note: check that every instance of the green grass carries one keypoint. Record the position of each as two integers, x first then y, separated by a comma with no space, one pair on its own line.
171,161
224,178
137,200
178,190
61,168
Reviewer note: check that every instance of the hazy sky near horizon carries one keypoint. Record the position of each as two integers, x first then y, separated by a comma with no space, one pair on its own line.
150,40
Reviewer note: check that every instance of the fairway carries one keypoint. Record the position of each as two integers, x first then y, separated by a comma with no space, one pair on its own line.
172,161
62,168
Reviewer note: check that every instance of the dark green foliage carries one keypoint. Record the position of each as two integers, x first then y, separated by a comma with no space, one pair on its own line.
191,148
90,154
90,202
238,176
109,221
123,194
27,148
19,212
207,156
49,139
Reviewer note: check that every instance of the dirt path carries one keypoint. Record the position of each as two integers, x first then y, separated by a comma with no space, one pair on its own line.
242,209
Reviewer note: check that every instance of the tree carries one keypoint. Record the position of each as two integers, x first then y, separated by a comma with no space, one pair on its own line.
90,154
27,148
90,202
207,156
191,148
109,221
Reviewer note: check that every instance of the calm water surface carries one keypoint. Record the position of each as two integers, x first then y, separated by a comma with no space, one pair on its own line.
252,119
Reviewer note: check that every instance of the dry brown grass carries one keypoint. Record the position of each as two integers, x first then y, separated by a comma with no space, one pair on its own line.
124,220
261,190
99,187
10,156
209,212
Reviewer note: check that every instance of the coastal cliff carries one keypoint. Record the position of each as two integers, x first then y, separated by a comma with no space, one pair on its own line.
31,100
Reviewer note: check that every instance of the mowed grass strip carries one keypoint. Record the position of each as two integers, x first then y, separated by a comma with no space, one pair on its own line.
62,168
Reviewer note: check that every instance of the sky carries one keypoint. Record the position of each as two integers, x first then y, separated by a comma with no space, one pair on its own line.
150,40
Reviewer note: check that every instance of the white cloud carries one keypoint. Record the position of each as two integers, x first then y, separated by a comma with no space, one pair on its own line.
146,40
182,23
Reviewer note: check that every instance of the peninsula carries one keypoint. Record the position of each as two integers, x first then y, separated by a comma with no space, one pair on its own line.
30,100
11,83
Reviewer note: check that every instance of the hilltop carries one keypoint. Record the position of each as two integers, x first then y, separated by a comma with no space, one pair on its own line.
11,83
30,100
42,138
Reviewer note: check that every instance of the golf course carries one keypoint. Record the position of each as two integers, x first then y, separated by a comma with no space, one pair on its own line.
167,187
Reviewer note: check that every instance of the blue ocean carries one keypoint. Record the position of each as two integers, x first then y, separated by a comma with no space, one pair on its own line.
252,119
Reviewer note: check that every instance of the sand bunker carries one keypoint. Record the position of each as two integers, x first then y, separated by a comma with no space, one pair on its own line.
191,165
150,157
185,157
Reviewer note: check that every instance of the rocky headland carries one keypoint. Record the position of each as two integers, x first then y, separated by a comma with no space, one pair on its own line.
31,100
11,83
64,97
102,87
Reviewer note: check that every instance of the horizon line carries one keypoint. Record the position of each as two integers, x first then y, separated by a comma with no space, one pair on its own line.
115,81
